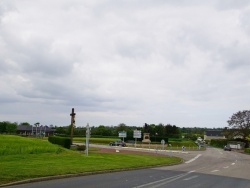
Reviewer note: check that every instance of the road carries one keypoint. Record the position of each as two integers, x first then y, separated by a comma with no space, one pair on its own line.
210,168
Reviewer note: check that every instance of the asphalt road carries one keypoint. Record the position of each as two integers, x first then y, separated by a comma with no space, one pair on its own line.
211,168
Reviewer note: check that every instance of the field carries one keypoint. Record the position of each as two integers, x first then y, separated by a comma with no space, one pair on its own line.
26,158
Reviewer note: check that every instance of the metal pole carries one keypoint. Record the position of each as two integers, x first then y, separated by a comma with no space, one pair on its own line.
87,139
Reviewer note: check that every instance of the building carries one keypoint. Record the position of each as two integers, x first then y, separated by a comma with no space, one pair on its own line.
213,134
34,130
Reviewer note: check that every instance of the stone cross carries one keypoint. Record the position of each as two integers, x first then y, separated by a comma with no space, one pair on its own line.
72,124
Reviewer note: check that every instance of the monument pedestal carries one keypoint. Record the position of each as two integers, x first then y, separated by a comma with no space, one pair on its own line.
146,138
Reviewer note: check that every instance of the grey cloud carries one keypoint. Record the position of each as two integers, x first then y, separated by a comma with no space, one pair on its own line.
122,60
236,57
232,4
245,21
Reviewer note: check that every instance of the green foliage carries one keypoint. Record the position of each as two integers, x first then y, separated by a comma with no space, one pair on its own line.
96,140
220,143
16,145
8,127
182,143
239,124
172,131
29,158
11,128
62,141
2,127
81,147
25,124
247,150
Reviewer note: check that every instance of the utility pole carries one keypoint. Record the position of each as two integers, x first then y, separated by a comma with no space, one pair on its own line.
72,124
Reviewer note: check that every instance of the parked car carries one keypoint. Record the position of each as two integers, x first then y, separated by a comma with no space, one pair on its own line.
118,143
227,148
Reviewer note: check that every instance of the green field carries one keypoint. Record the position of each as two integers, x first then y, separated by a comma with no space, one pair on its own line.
25,158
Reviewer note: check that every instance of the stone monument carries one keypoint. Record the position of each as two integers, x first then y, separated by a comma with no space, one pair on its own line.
146,134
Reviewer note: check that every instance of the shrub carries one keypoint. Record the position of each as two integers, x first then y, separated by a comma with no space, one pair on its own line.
81,147
220,143
62,141
247,150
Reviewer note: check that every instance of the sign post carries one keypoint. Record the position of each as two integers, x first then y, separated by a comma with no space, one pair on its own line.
137,134
88,129
170,150
162,142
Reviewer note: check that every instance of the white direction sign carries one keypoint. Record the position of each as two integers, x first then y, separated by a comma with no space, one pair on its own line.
137,134
122,134
162,141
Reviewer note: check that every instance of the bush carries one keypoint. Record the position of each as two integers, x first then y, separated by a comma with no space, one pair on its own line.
247,150
220,143
81,148
62,141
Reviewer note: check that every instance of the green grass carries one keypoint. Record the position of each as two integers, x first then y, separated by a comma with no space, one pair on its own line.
11,145
179,143
95,140
30,162
185,143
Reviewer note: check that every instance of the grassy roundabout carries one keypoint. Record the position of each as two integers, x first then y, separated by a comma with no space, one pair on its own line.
27,158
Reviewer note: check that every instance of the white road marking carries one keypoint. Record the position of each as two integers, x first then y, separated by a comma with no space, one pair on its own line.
162,182
192,177
193,159
233,164
191,171
226,167
215,171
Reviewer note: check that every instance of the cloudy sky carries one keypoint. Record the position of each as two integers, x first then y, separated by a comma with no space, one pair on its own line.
183,62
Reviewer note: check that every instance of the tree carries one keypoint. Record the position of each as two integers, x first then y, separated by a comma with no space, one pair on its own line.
11,128
121,127
239,124
25,124
104,131
2,127
159,129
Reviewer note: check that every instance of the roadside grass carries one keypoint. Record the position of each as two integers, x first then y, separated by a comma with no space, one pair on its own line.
95,140
11,145
175,144
27,164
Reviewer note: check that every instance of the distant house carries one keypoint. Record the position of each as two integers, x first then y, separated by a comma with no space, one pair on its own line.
213,134
34,131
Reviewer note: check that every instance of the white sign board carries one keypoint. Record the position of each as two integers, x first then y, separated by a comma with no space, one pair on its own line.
162,141
137,134
122,134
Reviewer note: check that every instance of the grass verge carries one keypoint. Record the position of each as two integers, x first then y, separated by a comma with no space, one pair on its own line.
21,166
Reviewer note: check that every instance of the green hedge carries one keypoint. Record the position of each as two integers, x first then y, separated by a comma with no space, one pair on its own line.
247,150
81,148
220,143
62,141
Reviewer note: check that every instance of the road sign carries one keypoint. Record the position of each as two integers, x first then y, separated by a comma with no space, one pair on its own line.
162,141
137,134
122,134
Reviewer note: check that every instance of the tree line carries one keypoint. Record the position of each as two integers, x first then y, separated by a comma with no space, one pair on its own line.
157,131
8,127
238,128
